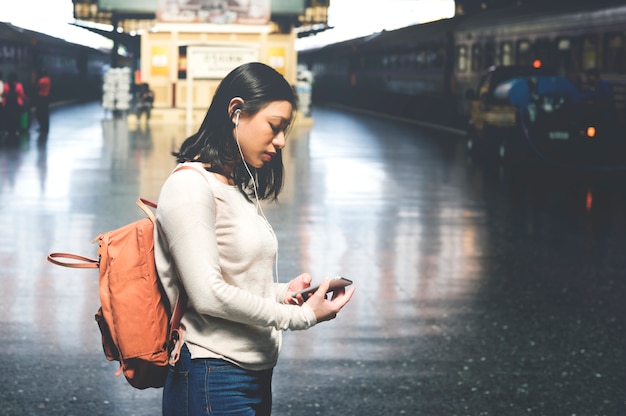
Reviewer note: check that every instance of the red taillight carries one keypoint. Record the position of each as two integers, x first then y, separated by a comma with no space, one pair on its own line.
589,200
537,63
591,131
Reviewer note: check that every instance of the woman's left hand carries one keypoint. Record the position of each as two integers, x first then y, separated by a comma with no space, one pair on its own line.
301,282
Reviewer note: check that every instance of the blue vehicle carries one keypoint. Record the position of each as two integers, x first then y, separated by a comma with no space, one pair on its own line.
555,123
535,115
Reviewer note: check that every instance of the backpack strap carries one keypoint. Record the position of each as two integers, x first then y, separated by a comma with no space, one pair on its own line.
81,262
143,204
176,336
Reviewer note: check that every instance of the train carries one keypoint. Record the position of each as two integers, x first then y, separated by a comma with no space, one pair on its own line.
76,70
428,71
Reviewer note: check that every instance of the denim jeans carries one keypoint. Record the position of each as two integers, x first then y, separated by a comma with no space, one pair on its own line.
213,387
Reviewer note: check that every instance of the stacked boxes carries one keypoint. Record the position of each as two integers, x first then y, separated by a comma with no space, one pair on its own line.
116,93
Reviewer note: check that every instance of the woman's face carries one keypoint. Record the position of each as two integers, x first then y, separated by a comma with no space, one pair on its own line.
262,134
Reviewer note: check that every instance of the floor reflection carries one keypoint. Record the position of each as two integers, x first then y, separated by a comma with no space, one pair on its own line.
472,281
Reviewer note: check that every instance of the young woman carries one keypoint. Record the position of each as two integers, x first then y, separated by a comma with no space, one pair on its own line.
213,241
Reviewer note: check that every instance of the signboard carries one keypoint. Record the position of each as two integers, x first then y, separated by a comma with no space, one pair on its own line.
216,11
245,12
289,7
215,62
277,57
128,6
159,63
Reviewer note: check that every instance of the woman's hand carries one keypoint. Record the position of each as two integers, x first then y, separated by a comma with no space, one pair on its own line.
301,282
327,309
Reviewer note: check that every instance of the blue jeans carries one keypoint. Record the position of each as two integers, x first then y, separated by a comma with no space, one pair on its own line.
213,387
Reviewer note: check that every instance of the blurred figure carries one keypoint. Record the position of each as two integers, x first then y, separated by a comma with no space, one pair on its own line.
599,94
145,99
42,104
13,100
1,101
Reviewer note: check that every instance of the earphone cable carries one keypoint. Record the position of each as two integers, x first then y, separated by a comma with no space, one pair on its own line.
256,196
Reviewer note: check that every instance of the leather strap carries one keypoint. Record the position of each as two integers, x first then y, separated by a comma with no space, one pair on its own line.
144,204
176,336
81,262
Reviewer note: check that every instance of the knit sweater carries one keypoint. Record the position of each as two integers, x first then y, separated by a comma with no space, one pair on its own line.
211,239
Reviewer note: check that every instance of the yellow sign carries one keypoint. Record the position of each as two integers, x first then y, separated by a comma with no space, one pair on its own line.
159,61
277,59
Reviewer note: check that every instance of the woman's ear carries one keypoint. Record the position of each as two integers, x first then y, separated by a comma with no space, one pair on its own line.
234,105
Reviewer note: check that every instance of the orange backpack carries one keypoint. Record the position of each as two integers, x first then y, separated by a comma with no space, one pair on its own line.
134,318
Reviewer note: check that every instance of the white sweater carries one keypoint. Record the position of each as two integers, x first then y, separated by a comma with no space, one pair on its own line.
212,239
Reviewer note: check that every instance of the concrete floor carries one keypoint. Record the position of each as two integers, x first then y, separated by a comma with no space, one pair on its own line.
479,291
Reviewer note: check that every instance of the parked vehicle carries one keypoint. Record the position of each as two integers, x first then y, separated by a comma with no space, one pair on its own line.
521,114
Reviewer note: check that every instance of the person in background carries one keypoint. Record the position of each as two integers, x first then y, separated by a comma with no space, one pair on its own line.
213,241
13,101
42,104
1,102
145,100
600,95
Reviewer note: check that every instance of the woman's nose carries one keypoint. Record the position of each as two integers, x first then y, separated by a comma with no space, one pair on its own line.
279,140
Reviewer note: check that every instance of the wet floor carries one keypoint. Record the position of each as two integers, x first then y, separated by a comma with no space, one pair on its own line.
480,291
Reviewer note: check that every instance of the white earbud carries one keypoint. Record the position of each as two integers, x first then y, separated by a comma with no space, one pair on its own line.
237,113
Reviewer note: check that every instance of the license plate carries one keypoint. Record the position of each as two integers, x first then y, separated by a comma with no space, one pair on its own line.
558,135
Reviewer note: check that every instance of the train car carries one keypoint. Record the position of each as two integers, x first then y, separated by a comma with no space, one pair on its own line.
76,70
407,72
425,71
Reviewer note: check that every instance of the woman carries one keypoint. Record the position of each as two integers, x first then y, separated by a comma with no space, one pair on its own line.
213,240
13,101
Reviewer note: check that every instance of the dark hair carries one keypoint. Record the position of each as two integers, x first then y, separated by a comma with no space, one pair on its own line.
258,85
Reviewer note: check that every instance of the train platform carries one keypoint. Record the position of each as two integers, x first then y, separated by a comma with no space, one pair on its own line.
478,292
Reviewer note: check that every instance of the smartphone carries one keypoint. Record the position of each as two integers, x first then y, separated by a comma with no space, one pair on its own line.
335,284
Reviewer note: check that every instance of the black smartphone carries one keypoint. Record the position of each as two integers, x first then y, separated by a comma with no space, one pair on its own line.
335,284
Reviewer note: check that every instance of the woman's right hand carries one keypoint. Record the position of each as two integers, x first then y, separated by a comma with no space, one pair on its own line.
327,309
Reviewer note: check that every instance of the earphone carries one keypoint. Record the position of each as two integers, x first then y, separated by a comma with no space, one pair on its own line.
254,188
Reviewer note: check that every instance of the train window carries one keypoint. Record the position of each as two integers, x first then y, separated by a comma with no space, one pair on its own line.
564,58
524,53
615,55
440,58
544,51
394,61
420,60
431,59
19,55
402,61
477,58
367,62
506,53
412,59
461,58
589,53
8,53
490,55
